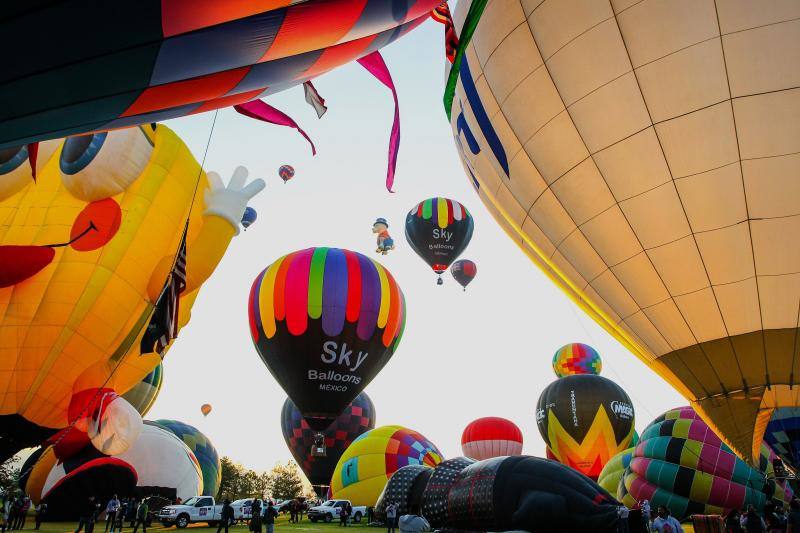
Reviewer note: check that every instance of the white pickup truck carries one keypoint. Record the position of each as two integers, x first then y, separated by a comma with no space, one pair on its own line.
195,509
332,509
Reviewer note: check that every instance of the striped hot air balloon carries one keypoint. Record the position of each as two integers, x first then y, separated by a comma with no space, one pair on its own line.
491,436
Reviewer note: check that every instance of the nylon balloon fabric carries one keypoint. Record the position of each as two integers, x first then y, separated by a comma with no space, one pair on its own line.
439,230
650,171
325,321
404,489
435,506
491,436
682,464
203,450
357,418
585,420
576,358
134,62
143,395
783,435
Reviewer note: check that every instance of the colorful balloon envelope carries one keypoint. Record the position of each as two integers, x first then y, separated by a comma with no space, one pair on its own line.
249,217
585,420
133,64
576,358
439,230
203,450
611,474
464,272
651,172
356,419
682,464
783,435
325,321
369,462
491,436
206,409
286,172
143,395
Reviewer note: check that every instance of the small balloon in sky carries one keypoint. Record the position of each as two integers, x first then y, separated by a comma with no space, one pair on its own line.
205,409
464,272
286,172
250,215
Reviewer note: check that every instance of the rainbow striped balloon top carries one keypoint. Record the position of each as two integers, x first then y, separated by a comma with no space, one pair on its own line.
444,210
336,286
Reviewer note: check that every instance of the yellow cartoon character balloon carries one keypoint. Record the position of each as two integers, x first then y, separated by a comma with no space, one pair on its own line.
101,257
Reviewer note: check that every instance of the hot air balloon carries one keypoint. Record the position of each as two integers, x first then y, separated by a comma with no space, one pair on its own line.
127,65
356,419
325,321
369,462
645,157
143,395
576,358
205,409
682,464
250,216
404,489
158,463
783,435
438,230
612,472
434,497
464,272
585,420
286,172
491,436
95,310
203,450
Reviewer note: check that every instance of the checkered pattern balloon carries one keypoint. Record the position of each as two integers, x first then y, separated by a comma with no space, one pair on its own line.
576,358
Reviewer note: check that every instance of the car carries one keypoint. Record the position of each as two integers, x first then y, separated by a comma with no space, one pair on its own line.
195,509
332,509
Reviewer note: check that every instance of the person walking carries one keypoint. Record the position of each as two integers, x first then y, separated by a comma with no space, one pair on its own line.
645,507
87,516
293,511
622,519
413,522
226,516
255,513
733,522
112,508
5,506
24,506
40,512
270,514
13,512
391,517
141,516
131,516
665,523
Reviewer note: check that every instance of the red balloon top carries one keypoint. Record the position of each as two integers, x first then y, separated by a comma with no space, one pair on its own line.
491,428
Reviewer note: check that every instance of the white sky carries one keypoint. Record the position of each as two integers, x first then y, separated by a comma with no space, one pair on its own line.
486,352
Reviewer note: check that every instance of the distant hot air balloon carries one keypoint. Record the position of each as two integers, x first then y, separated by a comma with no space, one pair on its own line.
491,436
250,216
585,420
286,172
645,157
576,358
366,466
205,409
681,464
438,230
325,321
464,272
357,418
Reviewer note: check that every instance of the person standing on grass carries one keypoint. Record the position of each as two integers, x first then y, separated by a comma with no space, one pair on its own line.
665,523
87,515
40,512
226,516
391,516
4,508
112,508
141,516
270,514
13,512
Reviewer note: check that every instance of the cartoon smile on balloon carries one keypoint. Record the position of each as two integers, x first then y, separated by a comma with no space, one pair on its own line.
102,253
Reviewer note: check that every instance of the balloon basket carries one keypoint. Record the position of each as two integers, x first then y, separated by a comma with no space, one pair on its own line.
439,281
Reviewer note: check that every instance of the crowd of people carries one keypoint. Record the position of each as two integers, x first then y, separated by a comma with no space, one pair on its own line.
14,512
775,519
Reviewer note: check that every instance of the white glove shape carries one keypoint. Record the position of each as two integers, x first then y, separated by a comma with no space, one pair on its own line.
231,201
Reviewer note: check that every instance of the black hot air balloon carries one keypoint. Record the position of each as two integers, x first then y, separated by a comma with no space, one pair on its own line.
356,419
585,420
438,230
325,321
464,272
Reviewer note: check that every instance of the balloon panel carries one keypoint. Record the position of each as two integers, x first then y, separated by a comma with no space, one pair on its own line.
325,321
356,419
435,496
203,450
491,437
585,420
372,458
612,472
438,230
143,395
404,489
166,60
576,358
783,435
626,189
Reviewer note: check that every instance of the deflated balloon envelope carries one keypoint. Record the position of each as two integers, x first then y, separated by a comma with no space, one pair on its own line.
325,321
356,419
434,498
404,489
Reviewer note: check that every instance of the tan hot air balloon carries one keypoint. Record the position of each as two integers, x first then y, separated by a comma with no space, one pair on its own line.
646,155
205,409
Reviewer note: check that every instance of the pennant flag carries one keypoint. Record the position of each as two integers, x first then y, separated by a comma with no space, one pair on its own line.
261,110
377,67
314,99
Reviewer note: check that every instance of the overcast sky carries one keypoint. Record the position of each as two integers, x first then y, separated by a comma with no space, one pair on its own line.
486,352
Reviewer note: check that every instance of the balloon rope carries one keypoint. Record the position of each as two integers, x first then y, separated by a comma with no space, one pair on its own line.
65,431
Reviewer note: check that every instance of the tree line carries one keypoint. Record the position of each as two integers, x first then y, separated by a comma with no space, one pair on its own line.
282,482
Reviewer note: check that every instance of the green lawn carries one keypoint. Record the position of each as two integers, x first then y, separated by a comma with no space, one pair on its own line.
282,524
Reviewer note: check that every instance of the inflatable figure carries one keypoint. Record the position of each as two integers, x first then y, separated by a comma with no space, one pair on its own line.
385,241
101,259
